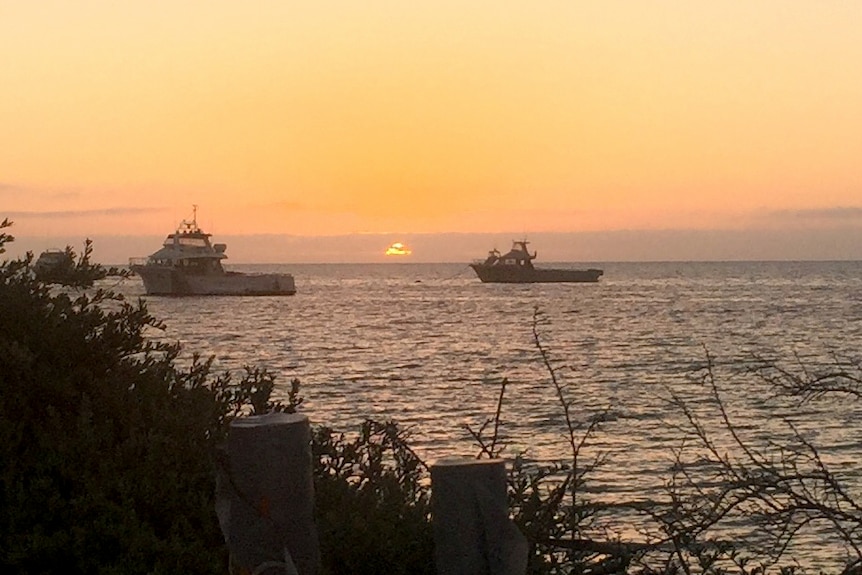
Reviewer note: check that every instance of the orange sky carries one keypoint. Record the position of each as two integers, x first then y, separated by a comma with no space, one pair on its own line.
341,117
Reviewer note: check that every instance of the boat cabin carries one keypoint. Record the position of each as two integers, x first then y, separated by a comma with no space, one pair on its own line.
517,256
189,249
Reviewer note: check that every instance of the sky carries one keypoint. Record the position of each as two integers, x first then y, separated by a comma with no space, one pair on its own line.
333,124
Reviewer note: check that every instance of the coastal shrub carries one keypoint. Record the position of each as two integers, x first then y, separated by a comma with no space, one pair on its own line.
783,490
373,502
105,444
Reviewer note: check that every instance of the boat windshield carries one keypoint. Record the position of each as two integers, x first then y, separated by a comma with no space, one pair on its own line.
186,241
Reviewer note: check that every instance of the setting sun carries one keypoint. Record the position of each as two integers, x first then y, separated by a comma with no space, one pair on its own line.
398,249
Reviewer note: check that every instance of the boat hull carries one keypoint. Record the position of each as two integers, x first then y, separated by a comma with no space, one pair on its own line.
165,280
524,275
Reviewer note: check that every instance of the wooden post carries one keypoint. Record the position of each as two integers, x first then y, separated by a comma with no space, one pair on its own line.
473,534
267,496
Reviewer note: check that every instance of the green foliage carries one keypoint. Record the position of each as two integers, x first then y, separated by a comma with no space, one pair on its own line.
4,236
105,445
373,502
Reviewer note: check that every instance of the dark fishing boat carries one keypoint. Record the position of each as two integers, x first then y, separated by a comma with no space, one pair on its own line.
516,266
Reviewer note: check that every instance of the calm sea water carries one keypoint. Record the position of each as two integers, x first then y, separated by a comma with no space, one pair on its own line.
428,345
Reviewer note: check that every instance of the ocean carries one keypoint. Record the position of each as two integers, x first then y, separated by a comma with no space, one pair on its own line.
428,345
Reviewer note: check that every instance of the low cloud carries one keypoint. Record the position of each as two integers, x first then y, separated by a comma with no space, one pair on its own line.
8,189
833,214
68,214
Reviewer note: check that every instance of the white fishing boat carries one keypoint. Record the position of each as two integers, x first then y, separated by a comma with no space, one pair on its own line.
188,264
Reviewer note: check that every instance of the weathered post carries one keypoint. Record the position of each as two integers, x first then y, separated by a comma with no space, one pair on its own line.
473,534
266,496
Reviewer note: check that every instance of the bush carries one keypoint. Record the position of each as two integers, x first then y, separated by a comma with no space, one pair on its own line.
105,445
373,502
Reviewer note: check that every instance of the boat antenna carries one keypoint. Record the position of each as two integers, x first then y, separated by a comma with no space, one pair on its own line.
195,215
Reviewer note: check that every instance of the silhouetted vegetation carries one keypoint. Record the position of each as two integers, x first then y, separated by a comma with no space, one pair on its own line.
373,502
66,268
107,452
778,488
104,443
